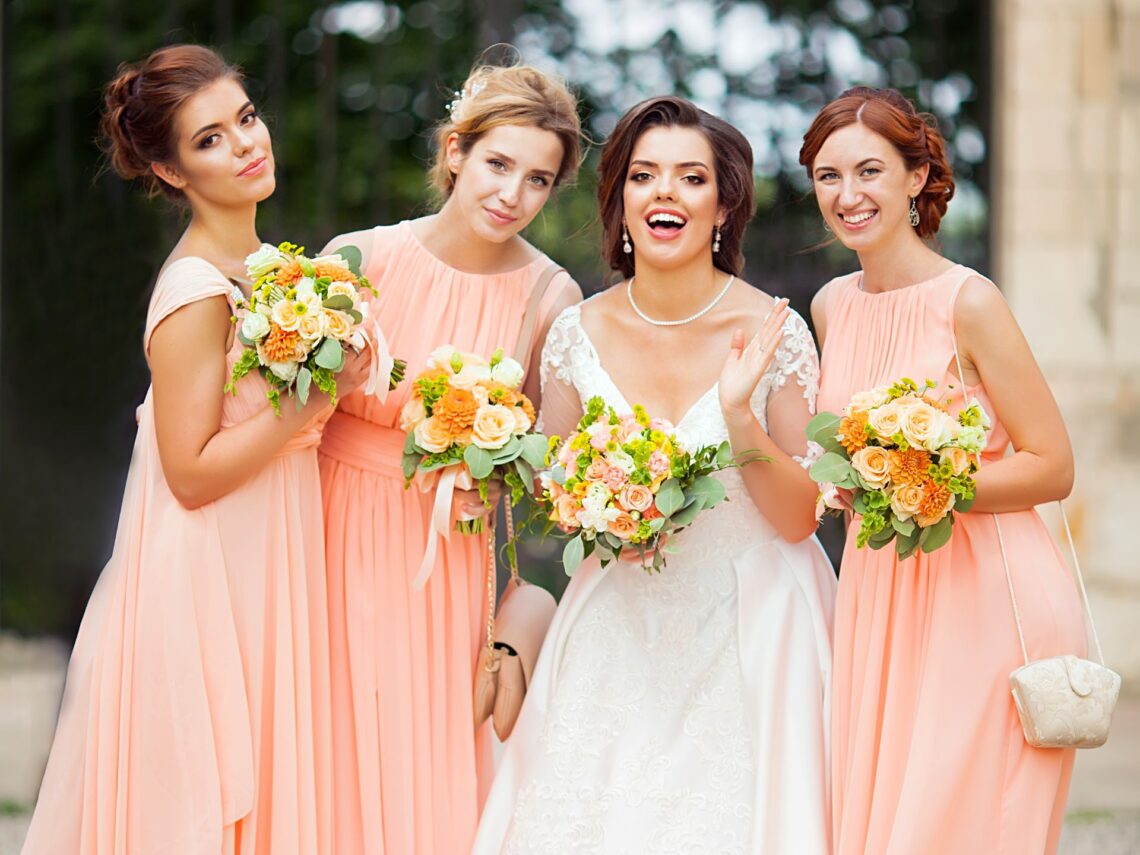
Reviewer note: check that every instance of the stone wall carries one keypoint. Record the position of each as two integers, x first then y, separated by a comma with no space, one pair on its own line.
1066,154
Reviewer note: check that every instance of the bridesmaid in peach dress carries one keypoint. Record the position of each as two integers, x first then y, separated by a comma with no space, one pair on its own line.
410,769
928,754
196,714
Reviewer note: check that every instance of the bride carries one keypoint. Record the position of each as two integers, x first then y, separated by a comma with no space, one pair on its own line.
685,711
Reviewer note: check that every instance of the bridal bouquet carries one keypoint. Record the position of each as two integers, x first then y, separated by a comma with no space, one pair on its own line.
300,316
905,461
468,418
623,482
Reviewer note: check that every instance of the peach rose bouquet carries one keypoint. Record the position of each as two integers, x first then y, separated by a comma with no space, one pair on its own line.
906,463
468,415
300,316
625,482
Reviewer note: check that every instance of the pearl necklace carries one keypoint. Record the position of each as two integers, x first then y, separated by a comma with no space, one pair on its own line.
688,320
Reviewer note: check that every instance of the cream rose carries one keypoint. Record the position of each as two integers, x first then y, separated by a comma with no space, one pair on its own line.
312,327
337,324
255,326
267,258
922,425
905,500
958,459
287,371
508,372
412,414
493,426
332,261
522,420
342,289
886,420
431,436
874,464
440,358
469,375
305,290
869,399
286,316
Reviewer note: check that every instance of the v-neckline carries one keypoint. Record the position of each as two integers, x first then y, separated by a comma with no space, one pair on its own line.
621,396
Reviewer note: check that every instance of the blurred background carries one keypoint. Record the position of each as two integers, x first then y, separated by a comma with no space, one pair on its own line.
1038,99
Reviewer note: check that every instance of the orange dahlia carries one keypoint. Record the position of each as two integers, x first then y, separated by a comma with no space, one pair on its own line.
936,498
280,345
909,467
289,275
334,272
853,432
455,411
528,408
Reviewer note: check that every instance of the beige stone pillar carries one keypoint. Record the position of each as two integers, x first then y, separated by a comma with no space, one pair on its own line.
1067,255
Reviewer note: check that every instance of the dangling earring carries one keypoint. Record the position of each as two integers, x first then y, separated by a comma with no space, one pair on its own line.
625,245
913,213
716,239
826,227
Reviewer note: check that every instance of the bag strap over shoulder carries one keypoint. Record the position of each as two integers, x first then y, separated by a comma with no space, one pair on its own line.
530,319
997,522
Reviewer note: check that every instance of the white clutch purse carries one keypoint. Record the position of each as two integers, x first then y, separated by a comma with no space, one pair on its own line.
1063,701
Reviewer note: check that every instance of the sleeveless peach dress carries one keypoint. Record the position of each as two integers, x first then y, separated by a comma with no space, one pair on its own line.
410,771
196,713
928,754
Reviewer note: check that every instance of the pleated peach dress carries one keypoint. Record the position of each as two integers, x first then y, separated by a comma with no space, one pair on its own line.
196,717
928,754
411,773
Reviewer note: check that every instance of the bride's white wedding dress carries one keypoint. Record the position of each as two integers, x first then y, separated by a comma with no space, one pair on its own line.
684,712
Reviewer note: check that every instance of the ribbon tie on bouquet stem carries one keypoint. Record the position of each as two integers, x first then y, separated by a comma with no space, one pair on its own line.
445,482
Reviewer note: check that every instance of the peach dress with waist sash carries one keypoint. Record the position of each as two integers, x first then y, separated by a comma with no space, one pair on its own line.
410,770
196,714
928,754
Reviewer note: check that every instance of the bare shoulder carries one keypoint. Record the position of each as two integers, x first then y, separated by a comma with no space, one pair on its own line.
605,303
979,305
361,239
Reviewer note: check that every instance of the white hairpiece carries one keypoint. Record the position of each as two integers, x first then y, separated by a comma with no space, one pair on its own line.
457,104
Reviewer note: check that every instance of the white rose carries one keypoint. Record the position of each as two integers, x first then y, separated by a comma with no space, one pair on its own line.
922,425
287,371
596,498
440,358
509,373
412,413
266,259
342,289
469,375
255,326
972,439
621,460
334,260
305,289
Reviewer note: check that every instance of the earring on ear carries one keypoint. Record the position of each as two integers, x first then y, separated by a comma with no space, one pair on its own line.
625,244
826,227
716,239
914,220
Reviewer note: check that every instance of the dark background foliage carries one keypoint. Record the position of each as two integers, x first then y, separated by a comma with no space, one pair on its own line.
351,91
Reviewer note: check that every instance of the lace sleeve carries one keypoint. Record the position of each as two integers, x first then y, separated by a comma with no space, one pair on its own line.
788,408
561,405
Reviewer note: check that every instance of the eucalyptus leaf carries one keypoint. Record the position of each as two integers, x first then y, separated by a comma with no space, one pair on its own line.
478,461
526,474
708,490
534,446
938,534
508,452
687,514
304,381
670,498
822,430
357,318
724,455
330,355
572,555
338,303
613,541
410,463
963,505
859,503
903,527
353,256
832,468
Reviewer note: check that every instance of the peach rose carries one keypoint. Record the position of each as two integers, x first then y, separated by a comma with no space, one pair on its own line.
412,414
342,289
432,436
566,507
338,324
922,425
522,420
286,316
868,400
635,497
623,526
958,459
597,470
906,500
493,426
874,464
886,420
312,327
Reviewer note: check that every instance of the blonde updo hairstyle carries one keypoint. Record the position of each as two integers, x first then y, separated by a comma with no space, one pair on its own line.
140,105
494,96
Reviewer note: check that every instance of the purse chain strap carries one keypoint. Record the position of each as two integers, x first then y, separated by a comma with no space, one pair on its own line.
997,523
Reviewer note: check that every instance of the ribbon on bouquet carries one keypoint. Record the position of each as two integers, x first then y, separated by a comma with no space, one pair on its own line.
380,368
445,481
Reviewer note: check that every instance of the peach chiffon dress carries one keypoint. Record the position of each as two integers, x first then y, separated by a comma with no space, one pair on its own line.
928,754
196,713
410,770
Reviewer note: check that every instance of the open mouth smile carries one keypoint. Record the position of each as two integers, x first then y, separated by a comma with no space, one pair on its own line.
665,224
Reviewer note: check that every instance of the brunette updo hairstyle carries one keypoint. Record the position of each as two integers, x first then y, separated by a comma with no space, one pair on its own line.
732,156
139,106
493,96
914,135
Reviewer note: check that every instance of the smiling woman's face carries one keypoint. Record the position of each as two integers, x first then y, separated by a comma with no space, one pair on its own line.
670,196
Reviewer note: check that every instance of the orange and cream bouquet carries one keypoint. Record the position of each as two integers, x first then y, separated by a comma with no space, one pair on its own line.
899,459
468,414
300,317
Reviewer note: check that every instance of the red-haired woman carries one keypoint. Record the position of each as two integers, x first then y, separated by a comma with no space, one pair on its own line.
928,754
196,715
